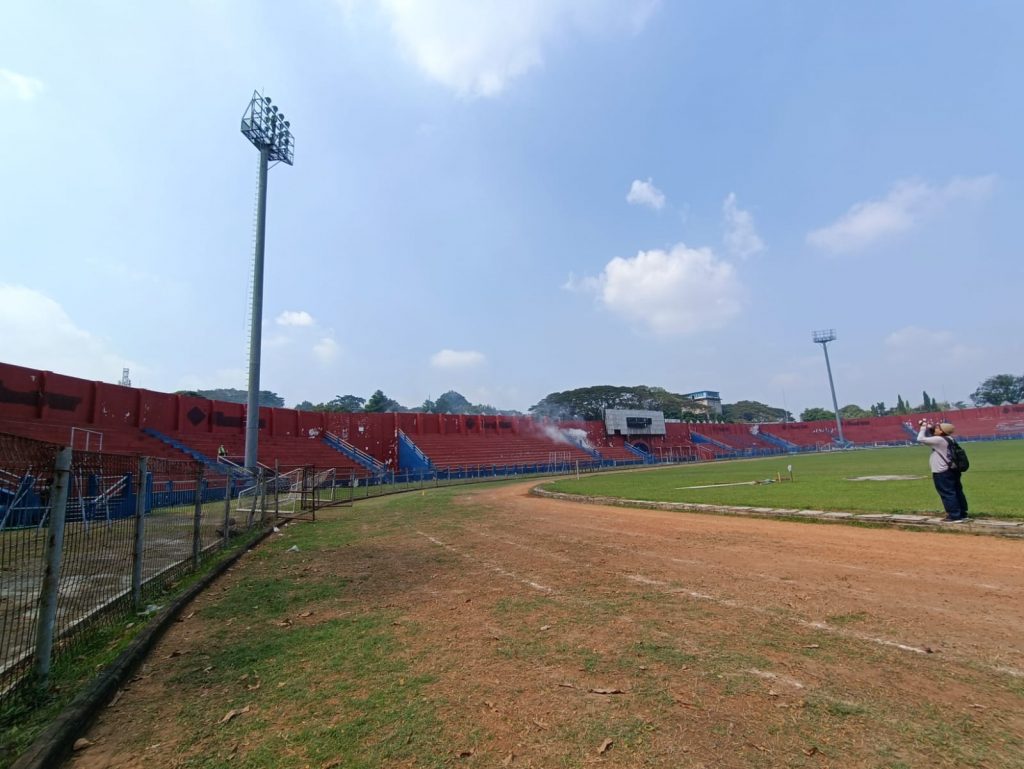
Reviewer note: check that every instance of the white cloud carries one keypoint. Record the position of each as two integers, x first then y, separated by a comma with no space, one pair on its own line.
451,359
38,333
295,318
476,47
19,87
681,291
927,348
645,194
741,236
325,350
906,205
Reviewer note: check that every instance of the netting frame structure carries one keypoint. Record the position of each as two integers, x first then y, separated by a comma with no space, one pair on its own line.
87,539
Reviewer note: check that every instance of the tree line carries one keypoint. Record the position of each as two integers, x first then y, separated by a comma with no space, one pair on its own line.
994,391
450,402
589,403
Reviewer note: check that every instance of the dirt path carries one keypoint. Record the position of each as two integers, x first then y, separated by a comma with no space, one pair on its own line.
681,640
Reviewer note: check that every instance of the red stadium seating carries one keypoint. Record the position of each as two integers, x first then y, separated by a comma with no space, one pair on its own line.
69,411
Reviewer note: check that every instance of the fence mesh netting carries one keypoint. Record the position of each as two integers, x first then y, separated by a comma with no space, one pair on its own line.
111,556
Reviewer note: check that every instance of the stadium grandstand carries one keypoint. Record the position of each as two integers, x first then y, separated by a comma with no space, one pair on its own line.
384,447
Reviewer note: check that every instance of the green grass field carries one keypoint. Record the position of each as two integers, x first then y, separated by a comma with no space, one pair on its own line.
994,485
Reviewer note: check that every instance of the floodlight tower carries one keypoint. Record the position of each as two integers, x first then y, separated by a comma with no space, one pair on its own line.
270,133
823,338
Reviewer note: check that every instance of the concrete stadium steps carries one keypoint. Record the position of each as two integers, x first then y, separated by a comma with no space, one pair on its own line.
803,434
994,422
616,451
737,436
864,432
128,440
287,451
461,450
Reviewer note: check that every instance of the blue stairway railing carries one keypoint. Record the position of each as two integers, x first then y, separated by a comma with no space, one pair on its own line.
220,467
648,459
698,438
410,456
775,440
357,455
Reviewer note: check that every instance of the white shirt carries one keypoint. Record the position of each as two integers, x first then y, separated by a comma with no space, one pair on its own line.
938,461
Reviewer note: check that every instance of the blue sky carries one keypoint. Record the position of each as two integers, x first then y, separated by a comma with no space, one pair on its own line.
510,199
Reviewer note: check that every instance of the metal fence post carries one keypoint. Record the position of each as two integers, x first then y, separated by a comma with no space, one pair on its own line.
227,508
51,578
255,499
197,535
140,533
263,499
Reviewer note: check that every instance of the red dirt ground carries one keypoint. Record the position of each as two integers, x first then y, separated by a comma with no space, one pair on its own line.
766,636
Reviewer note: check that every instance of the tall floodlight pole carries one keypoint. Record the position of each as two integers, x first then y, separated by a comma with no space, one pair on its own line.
270,133
823,338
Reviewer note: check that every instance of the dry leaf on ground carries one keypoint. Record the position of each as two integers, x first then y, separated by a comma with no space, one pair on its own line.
233,713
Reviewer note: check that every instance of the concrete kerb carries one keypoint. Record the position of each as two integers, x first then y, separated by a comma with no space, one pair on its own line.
55,743
992,527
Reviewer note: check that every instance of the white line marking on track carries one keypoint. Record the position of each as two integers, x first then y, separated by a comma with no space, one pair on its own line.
645,580
863,637
492,566
776,677
823,626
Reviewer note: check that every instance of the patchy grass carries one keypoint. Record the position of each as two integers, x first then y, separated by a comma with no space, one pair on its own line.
29,712
358,642
994,484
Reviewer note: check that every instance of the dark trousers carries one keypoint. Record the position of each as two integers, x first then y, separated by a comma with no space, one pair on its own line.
951,492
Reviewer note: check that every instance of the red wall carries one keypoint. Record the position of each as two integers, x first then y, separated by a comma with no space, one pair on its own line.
30,394
21,392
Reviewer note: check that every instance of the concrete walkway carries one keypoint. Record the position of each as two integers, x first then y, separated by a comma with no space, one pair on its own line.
990,526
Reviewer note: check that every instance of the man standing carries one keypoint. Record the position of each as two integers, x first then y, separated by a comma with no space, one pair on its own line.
946,479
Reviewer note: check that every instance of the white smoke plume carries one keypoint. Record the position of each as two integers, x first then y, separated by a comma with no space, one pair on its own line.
573,435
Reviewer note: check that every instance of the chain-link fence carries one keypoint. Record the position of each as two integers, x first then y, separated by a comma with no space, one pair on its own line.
87,538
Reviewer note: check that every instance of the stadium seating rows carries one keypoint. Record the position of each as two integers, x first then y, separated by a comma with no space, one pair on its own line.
69,411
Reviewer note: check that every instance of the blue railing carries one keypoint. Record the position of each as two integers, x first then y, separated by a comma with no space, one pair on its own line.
356,455
411,457
698,438
648,459
775,440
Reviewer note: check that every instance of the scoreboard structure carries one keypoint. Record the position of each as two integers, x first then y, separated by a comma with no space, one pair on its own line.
634,422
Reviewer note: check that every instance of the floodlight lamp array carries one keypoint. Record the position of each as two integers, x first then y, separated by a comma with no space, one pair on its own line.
265,126
828,335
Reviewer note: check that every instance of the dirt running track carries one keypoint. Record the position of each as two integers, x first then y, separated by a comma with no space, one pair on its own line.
688,640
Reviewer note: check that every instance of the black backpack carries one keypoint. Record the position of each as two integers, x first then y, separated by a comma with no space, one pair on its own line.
957,457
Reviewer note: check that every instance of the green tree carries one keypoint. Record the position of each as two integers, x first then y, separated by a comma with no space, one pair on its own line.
345,404
853,411
379,403
754,411
452,402
879,409
816,415
231,395
998,389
